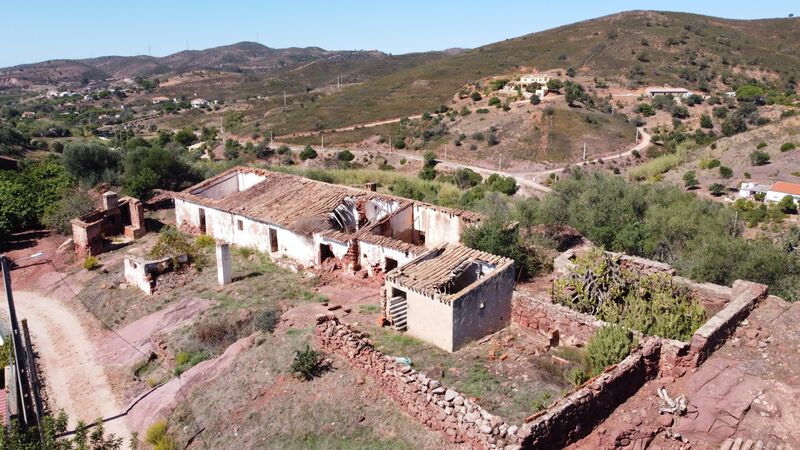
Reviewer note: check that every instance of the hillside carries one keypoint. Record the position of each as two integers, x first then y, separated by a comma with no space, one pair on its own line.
243,56
631,48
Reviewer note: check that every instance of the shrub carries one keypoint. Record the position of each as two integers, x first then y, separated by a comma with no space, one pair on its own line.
345,155
610,345
267,320
759,158
307,363
714,163
204,241
476,96
577,376
541,401
58,216
494,101
215,333
308,153
535,100
705,121
482,111
90,263
690,179
155,432
761,145
725,172
717,189
174,243
787,147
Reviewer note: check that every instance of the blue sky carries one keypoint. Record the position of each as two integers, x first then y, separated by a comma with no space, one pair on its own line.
46,29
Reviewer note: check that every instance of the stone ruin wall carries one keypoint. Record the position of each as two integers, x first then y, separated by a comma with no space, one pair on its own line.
571,417
554,321
574,416
441,409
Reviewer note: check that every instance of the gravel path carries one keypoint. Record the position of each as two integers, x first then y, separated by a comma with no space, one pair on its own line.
75,380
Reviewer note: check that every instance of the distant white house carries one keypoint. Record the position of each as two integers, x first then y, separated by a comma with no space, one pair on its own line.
157,100
199,103
730,94
675,92
541,78
774,193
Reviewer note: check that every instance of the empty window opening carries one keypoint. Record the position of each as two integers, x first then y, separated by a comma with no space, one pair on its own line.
420,237
325,252
273,240
391,264
398,294
202,220
240,224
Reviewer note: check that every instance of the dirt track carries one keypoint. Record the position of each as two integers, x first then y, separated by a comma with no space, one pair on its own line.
76,382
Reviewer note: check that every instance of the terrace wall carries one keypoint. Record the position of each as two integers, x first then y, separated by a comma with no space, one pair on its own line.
440,409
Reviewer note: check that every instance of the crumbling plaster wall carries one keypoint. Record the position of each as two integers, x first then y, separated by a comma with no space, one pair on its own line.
483,307
372,256
439,227
428,319
254,234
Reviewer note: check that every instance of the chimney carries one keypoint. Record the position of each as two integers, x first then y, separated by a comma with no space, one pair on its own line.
110,200
371,186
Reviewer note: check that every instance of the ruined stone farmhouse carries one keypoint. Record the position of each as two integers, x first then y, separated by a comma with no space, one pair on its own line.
436,289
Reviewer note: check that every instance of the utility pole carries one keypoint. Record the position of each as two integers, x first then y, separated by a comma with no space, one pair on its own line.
445,152
500,163
323,140
284,99
584,151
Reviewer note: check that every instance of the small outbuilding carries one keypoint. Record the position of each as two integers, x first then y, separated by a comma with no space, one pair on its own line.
451,295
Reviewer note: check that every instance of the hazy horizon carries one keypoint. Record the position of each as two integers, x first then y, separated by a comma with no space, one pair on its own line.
84,30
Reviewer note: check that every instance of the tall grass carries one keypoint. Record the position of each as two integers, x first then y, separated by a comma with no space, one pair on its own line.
659,165
399,184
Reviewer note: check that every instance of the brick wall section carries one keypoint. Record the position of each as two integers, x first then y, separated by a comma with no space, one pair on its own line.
575,415
549,318
441,409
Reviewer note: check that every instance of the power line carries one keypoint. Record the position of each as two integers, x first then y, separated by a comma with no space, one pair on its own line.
62,280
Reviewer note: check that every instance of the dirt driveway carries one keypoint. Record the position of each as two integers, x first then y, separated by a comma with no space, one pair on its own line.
76,382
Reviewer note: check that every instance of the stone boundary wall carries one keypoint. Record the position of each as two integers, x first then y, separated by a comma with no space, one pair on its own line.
709,337
437,407
576,415
555,321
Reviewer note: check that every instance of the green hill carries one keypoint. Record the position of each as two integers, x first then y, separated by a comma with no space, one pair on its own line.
632,48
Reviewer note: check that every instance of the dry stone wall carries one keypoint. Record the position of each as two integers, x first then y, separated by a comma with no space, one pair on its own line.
439,408
554,321
575,415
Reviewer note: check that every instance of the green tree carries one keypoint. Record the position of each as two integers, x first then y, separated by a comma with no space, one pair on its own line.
148,168
554,84
717,189
308,153
705,121
787,205
749,93
185,137
74,203
725,172
232,148
476,96
466,178
91,163
535,100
